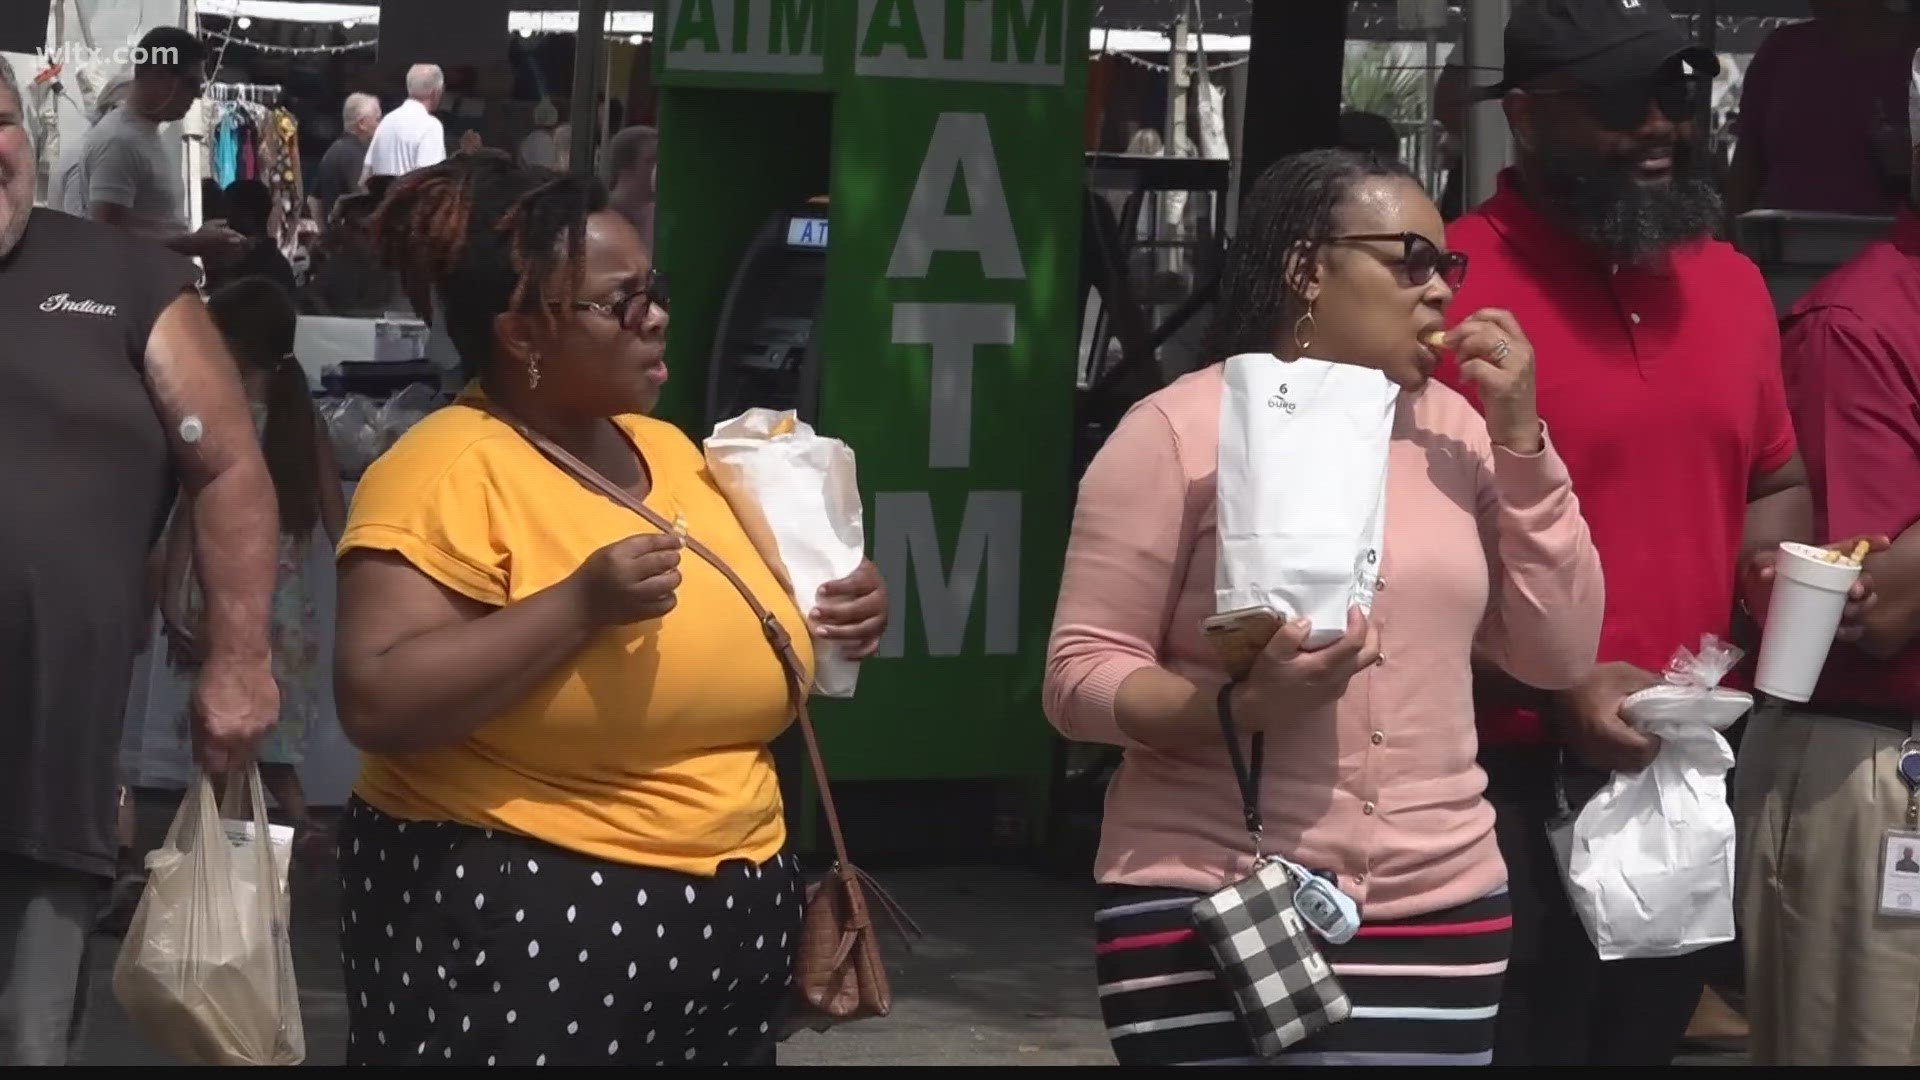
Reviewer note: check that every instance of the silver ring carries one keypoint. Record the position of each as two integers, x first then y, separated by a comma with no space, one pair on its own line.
1501,349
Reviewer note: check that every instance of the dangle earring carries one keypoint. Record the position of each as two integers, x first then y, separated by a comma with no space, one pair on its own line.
1303,330
533,371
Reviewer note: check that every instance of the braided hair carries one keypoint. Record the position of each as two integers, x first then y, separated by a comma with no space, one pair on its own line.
489,237
1283,223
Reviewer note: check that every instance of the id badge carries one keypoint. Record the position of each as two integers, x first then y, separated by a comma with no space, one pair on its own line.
1900,874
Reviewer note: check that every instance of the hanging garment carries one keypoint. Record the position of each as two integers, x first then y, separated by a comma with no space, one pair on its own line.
250,114
282,174
226,146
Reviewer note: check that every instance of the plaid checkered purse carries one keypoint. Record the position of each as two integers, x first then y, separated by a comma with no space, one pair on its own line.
1283,989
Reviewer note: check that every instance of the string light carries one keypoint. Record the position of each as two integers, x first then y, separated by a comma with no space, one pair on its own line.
289,50
1150,65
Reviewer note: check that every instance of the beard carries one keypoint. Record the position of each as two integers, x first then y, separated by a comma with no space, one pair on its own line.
13,222
1600,199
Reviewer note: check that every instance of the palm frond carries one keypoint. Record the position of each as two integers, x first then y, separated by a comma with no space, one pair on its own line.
1376,80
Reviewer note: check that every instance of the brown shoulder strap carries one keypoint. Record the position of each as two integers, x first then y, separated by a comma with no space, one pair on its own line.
776,634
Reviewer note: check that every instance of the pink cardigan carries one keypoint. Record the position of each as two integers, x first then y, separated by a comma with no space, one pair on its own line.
1485,550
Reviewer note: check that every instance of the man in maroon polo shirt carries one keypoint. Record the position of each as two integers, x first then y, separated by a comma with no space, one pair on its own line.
1659,376
1833,976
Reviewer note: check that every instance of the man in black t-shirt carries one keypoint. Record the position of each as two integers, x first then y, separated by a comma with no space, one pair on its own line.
115,391
338,174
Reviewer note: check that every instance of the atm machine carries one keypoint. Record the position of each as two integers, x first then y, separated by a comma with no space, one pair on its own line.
765,354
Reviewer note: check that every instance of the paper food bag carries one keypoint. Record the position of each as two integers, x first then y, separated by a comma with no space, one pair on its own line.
1302,488
796,494
1649,861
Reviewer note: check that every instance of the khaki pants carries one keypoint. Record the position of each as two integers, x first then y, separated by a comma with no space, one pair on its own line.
1830,981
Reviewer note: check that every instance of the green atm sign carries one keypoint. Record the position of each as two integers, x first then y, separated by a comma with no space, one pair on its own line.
1018,42
748,37
993,41
953,175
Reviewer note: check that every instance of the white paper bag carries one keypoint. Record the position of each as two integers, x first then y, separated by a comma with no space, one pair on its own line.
1302,488
279,837
796,493
1649,861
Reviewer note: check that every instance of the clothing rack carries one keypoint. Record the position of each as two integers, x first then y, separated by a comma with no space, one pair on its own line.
257,93
265,95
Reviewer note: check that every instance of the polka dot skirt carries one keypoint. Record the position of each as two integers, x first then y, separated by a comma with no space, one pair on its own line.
471,947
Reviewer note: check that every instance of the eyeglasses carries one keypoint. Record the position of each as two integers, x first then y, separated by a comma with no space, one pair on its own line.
1623,107
1419,257
629,309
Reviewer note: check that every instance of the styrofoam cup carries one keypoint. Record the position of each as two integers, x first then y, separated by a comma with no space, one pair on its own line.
1809,596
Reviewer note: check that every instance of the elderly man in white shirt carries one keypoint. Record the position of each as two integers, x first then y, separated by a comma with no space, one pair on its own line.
411,137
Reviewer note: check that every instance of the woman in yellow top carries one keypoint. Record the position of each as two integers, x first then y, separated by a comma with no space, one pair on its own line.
565,846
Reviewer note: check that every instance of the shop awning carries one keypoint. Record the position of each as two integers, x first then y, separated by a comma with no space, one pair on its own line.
1100,39
1118,25
520,22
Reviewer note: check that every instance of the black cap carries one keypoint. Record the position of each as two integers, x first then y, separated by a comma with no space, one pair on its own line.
1597,42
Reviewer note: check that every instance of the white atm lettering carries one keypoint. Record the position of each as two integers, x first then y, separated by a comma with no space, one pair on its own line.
906,548
961,145
953,330
906,545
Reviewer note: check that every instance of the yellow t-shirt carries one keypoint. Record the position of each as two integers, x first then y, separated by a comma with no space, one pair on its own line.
650,746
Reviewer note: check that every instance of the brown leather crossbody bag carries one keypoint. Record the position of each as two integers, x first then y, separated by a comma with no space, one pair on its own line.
838,975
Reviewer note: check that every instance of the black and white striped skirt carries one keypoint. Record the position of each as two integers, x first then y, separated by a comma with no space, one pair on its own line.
1425,990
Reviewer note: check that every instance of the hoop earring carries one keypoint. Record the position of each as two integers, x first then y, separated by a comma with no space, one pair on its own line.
1303,329
533,371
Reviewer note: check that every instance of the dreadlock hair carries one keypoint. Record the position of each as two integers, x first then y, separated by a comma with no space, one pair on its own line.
1283,223
490,237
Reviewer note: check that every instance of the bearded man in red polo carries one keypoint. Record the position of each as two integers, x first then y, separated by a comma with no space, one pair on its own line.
1659,377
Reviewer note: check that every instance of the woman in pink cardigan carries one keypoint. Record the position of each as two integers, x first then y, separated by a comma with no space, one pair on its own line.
1369,777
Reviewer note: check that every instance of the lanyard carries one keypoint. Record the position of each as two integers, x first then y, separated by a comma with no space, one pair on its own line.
1246,767
1908,766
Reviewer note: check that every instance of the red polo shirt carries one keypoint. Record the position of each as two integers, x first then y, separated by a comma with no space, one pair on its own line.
1661,385
1851,349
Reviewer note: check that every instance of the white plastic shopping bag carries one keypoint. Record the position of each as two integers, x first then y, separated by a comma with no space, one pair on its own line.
1302,488
796,494
206,971
1649,860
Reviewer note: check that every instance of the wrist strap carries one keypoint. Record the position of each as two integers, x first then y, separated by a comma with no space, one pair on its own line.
1246,767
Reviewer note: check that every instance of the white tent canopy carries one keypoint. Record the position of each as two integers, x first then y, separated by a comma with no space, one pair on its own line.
634,22
520,22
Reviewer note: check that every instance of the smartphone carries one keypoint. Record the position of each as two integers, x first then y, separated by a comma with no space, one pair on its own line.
1238,637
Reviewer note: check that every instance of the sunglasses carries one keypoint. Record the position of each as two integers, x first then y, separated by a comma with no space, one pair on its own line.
1623,107
1419,257
629,309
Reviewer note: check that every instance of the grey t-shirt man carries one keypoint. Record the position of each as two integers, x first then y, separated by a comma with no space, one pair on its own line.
125,163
